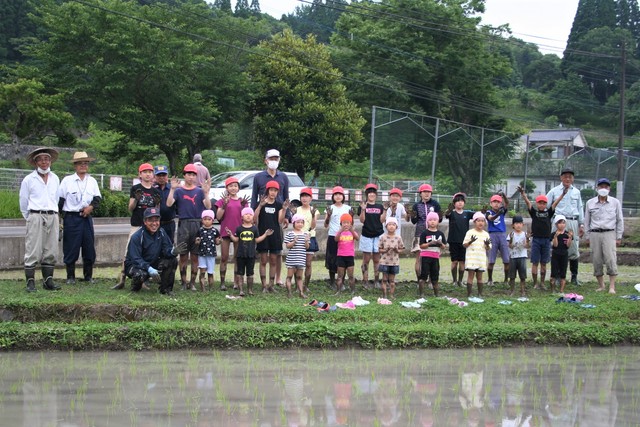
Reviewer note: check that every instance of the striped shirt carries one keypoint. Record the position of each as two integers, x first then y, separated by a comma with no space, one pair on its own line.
297,255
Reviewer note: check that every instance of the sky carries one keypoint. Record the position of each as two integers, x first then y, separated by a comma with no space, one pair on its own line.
543,22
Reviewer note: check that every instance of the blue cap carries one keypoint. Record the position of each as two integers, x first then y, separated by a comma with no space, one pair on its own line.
160,170
150,212
604,181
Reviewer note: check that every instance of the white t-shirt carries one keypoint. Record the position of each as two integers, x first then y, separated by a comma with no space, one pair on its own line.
519,249
400,216
336,213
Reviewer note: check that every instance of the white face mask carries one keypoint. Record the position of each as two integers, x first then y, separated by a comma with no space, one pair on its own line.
273,164
603,192
44,171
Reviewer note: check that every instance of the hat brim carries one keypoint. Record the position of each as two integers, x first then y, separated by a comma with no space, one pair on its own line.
31,157
83,159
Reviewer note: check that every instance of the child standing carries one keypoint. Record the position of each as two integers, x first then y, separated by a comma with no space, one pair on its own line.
498,231
561,240
432,241
229,215
310,215
297,241
418,215
391,245
477,242
207,239
372,215
396,209
458,226
141,196
332,222
246,236
540,230
518,245
269,215
346,238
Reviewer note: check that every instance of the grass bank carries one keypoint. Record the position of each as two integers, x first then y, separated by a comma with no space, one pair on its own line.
92,317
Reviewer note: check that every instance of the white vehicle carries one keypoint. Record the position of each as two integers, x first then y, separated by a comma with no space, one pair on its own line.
245,178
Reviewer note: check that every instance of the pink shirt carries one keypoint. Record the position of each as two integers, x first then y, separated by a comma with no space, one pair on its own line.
232,216
346,243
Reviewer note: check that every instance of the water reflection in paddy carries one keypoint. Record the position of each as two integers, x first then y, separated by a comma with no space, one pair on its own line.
498,387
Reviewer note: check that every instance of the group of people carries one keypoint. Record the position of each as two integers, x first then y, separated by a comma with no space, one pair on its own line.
255,226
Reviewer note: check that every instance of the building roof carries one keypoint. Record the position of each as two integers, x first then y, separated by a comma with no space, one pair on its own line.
557,135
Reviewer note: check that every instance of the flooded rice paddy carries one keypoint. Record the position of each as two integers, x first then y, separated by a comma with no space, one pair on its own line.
497,387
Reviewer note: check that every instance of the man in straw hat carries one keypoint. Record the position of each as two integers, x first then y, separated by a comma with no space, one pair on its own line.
78,196
39,206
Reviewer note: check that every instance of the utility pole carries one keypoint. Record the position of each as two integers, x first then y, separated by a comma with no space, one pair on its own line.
620,185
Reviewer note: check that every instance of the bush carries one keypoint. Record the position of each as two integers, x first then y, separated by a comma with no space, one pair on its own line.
9,205
114,204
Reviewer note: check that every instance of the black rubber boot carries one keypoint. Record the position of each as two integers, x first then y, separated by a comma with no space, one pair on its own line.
30,274
87,272
573,267
71,273
47,276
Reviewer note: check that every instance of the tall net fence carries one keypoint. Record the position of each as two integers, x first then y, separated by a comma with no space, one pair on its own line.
451,156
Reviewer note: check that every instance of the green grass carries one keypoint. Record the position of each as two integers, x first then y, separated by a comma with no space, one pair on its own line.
92,317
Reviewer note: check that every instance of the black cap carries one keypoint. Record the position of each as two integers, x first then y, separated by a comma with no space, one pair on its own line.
603,181
567,169
150,212
517,218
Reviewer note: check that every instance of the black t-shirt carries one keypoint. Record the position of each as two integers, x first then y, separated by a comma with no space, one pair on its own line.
247,243
562,248
146,201
268,219
459,225
541,221
372,226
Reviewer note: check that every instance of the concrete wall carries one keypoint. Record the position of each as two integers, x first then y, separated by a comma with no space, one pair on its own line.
110,247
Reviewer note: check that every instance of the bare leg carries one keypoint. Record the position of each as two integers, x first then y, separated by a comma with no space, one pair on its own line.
612,284
534,275
203,272
288,281
385,281
194,270
470,275
340,280
308,270
264,259
352,280
490,272
392,285
480,283
376,264
300,282
454,271
274,259
366,257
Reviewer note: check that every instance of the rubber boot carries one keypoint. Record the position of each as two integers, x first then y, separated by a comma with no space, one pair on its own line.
30,274
469,289
87,272
573,267
480,287
71,273
47,276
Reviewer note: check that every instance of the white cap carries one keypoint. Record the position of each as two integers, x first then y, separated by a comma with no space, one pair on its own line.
391,220
272,153
559,217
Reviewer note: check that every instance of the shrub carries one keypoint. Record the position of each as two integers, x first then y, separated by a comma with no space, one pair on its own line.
114,204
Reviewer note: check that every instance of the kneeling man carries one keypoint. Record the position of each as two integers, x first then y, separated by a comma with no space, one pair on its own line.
150,255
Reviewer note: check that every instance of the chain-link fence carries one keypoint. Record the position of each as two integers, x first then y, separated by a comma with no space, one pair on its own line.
10,180
451,156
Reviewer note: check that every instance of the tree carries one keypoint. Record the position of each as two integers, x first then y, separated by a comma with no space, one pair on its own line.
242,9
223,5
254,7
28,113
569,100
318,18
165,91
419,64
300,106
15,26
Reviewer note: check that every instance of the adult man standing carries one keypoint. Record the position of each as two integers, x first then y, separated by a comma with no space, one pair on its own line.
78,196
272,160
604,226
150,255
260,180
39,206
167,213
202,173
571,207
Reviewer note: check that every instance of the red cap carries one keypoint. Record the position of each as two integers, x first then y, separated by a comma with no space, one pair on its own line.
425,187
272,184
346,217
230,180
306,191
542,198
190,168
370,186
495,198
338,189
145,167
395,191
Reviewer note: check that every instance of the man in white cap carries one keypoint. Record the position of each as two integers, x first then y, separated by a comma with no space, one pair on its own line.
604,226
203,172
39,206
78,196
260,180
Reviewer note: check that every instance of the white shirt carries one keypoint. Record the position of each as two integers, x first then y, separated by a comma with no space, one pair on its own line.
400,216
78,193
37,195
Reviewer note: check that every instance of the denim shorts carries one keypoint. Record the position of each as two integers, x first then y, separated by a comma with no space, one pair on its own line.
540,250
369,244
389,269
